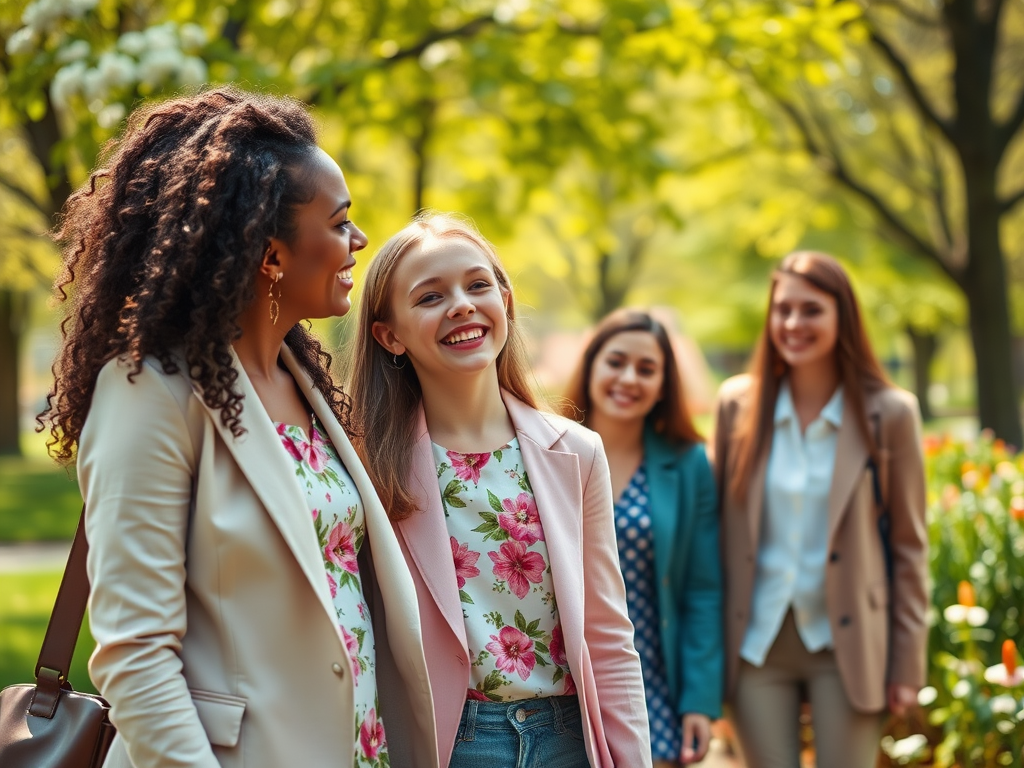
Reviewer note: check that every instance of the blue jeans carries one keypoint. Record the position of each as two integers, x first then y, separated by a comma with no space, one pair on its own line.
530,733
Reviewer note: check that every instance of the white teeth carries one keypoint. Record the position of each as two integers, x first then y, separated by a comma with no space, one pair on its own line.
345,274
455,338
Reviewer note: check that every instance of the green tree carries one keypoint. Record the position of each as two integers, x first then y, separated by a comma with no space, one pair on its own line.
917,111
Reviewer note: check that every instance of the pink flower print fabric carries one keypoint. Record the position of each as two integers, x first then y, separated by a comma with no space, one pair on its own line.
465,562
337,513
518,567
508,601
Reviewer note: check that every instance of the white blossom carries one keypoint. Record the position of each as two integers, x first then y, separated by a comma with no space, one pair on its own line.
42,15
132,43
162,37
94,86
118,70
158,66
961,689
438,53
974,615
23,41
67,83
111,115
192,71
1004,704
927,695
78,8
192,36
908,748
73,51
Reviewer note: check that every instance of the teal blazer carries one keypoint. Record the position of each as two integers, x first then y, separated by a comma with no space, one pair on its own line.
687,563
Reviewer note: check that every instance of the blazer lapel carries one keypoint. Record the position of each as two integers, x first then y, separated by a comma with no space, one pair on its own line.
264,465
663,485
755,497
851,458
426,535
557,488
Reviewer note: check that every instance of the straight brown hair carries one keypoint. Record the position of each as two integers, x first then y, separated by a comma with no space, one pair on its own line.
385,396
670,417
859,369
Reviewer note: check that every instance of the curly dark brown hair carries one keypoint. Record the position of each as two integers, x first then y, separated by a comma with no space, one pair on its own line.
163,244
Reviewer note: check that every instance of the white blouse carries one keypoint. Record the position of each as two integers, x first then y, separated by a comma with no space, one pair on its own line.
793,551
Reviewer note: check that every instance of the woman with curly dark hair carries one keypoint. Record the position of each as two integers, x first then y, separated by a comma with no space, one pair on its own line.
250,602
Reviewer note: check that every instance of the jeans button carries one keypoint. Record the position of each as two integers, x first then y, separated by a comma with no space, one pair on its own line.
521,715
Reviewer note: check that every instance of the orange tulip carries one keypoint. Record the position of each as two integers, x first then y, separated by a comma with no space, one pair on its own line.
1009,657
965,594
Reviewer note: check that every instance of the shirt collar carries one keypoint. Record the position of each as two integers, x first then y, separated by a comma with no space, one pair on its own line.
785,410
833,410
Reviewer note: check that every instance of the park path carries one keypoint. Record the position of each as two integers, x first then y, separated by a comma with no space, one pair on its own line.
34,556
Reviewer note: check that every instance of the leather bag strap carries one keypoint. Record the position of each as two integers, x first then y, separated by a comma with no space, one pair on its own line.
68,612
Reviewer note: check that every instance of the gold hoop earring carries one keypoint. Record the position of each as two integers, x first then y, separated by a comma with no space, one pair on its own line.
275,308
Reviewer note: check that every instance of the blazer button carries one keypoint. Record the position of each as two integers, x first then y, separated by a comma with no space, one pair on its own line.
844,621
338,669
834,557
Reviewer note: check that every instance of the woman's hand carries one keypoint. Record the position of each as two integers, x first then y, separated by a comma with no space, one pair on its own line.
900,698
696,738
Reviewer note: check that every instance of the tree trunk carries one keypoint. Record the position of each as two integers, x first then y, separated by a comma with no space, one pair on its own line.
974,32
13,310
984,285
925,345
990,335
420,154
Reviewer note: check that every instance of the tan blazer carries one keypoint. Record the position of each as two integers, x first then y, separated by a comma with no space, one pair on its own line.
880,632
570,479
217,639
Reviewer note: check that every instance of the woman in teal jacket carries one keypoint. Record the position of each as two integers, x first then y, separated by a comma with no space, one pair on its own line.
629,390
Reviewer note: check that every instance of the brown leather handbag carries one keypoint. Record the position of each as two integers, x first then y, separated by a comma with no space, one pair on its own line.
49,724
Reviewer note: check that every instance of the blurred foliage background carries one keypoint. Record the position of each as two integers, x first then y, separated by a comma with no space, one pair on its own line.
657,152
653,152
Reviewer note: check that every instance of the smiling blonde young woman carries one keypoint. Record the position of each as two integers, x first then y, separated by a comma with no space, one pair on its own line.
503,512
819,467
628,388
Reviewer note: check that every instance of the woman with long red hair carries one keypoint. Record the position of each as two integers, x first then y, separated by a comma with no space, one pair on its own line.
820,471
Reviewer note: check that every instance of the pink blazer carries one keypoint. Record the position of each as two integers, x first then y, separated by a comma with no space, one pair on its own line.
569,475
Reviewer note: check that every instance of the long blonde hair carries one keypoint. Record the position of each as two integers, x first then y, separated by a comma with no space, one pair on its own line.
386,397
856,364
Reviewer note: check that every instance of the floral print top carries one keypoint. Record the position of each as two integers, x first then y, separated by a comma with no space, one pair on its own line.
503,574
337,513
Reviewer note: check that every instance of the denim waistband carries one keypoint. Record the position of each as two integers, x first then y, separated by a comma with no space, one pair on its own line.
522,715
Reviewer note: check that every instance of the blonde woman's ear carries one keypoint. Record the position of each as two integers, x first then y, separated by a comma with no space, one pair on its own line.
386,338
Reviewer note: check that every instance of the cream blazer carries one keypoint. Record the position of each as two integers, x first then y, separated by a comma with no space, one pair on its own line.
217,640
571,483
879,630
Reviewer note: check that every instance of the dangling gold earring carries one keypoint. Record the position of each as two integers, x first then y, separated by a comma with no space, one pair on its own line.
275,308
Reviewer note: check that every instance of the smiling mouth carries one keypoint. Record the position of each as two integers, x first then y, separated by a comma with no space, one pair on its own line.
345,274
623,397
463,336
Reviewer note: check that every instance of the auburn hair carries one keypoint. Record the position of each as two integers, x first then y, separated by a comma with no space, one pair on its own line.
163,244
859,370
386,397
670,417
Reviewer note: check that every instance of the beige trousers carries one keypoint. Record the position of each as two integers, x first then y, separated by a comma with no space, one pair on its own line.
766,709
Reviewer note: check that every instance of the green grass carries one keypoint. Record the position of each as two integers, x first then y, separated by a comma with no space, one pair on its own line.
39,501
25,602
